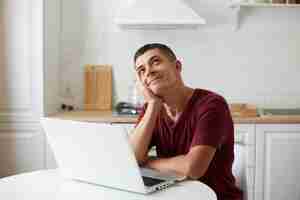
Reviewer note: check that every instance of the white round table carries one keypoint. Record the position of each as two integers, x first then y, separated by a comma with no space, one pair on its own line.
49,185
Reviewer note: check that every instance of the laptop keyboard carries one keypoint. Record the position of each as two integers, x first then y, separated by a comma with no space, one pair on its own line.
151,181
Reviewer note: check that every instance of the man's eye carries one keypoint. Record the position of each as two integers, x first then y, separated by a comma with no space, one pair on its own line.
141,71
155,62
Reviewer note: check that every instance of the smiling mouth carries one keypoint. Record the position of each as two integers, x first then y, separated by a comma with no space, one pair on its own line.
154,80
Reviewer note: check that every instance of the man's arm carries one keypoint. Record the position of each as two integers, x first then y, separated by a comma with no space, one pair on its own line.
141,137
192,165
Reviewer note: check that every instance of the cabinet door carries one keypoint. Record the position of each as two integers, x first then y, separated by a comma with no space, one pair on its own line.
278,162
244,162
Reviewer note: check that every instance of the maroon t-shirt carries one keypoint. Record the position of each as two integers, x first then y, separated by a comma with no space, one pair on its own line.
206,120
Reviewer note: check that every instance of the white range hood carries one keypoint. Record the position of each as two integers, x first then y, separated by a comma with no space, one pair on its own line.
157,14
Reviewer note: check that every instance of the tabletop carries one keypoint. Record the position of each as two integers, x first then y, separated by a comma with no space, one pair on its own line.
49,185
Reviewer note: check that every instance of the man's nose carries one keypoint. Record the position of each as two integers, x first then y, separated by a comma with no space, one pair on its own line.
149,71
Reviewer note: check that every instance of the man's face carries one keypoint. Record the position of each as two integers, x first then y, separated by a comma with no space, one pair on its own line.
157,71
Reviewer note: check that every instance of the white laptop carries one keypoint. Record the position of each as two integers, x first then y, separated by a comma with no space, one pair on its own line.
100,153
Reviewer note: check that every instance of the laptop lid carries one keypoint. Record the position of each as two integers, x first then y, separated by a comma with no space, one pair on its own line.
97,153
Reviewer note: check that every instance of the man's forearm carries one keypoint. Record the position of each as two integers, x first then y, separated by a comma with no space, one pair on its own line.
194,164
177,164
141,137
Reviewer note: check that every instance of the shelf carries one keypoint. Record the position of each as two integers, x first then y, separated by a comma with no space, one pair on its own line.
237,5
241,4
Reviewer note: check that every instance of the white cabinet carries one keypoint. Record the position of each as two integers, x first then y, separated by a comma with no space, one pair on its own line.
278,162
244,163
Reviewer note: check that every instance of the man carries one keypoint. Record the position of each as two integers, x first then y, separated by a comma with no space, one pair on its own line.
192,129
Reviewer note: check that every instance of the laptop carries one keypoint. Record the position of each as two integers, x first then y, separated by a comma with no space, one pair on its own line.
100,153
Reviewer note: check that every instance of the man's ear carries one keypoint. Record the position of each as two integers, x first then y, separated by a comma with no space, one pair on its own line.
178,65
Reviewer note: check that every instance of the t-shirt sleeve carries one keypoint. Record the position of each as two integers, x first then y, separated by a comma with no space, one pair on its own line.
213,125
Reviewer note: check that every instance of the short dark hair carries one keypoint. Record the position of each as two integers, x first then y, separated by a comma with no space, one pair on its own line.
167,51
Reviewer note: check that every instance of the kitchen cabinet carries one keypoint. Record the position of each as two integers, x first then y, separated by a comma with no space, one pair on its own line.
277,161
244,163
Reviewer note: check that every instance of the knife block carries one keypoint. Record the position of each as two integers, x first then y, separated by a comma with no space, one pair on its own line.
98,87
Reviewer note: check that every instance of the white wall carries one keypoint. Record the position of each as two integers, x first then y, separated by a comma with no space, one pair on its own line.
258,63
52,55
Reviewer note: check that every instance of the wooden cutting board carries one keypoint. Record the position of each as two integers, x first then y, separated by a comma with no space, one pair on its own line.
98,87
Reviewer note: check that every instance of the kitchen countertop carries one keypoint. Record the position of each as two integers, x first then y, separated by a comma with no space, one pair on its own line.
111,117
95,116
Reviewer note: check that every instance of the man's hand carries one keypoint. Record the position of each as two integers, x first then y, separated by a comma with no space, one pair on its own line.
148,95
